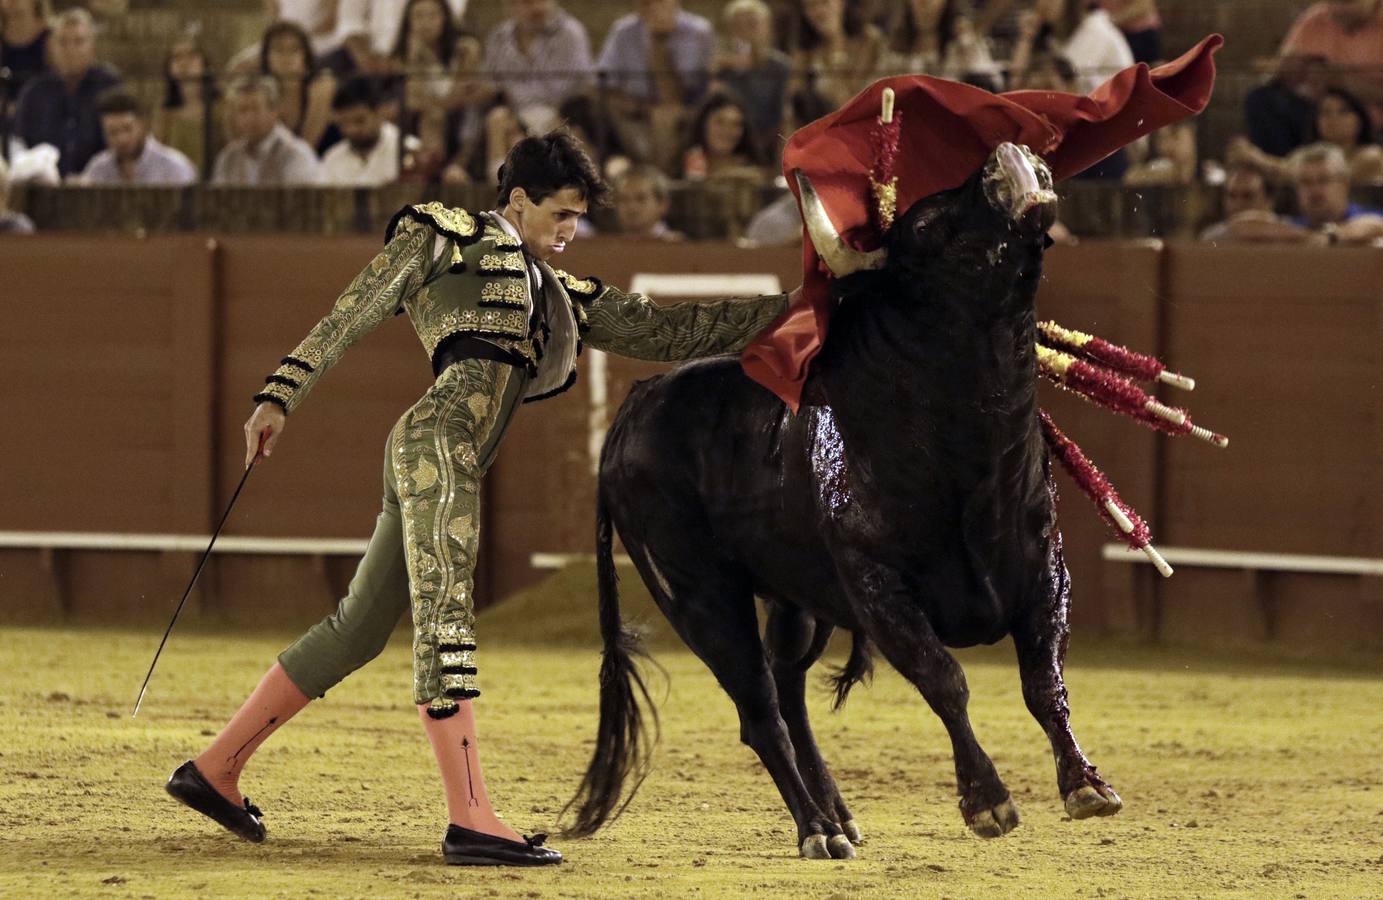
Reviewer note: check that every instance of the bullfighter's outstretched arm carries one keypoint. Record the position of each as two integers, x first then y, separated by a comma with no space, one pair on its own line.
405,264
633,325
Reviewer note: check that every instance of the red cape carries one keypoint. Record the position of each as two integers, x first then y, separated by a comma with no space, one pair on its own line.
948,130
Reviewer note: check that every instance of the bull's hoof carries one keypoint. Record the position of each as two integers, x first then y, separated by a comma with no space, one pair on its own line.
1092,800
852,831
815,847
840,847
996,822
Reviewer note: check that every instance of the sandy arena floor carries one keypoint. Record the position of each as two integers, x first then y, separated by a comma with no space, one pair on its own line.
1242,776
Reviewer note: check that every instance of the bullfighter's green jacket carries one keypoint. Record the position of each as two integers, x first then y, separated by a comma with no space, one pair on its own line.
456,273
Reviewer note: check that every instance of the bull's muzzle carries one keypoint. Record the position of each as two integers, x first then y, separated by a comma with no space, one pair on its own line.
1016,181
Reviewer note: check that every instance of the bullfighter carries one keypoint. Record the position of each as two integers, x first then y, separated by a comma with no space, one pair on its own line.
501,326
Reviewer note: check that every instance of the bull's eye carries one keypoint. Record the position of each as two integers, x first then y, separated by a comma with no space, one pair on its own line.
924,221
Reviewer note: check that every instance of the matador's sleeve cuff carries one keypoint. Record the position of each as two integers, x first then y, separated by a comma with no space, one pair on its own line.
281,387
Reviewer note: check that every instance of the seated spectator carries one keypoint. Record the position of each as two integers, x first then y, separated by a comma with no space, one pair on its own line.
1080,30
919,35
642,199
535,59
316,19
369,152
720,144
305,91
1246,203
968,57
266,153
585,123
1340,120
427,150
191,106
654,65
775,225
836,53
1349,35
1046,70
132,156
11,222
58,107
748,64
23,41
1173,160
1280,116
1142,27
381,21
1325,213
425,54
1323,204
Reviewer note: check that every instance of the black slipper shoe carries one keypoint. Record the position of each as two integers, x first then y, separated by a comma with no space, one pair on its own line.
464,847
191,788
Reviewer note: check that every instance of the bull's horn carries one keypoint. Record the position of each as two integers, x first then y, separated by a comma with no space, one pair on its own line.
840,257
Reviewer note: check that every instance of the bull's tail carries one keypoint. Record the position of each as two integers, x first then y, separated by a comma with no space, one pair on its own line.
623,746
859,667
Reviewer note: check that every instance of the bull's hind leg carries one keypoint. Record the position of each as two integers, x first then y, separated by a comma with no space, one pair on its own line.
897,625
712,610
795,641
1040,637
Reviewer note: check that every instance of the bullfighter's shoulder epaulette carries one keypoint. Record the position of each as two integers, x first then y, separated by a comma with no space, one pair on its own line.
452,221
583,289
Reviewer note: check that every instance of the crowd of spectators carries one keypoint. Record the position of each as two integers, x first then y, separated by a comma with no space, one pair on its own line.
367,92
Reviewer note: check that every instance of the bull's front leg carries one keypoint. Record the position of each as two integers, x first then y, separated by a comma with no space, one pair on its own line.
1040,637
895,622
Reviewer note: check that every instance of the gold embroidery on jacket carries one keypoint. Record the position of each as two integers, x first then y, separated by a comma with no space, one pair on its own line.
502,264
510,292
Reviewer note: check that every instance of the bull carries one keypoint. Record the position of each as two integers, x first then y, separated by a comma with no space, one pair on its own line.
914,508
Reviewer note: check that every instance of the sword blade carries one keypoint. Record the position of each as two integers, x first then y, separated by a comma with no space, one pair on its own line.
185,594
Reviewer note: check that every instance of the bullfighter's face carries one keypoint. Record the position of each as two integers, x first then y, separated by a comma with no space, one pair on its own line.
981,234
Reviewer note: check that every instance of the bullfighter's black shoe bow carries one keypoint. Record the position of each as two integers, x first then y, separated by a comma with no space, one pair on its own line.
464,847
191,788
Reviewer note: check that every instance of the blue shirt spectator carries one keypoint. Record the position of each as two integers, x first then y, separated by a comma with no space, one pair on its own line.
660,44
59,107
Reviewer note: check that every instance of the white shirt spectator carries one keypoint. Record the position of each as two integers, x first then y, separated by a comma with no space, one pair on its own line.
158,164
343,165
1097,49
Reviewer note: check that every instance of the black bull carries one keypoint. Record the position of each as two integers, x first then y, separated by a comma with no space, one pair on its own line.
915,510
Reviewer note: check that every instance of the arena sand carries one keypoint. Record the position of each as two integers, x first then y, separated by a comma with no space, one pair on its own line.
1247,776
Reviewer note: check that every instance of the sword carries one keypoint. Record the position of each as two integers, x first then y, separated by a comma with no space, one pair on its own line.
201,565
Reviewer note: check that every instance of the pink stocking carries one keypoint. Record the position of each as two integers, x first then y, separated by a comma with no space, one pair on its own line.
453,741
275,700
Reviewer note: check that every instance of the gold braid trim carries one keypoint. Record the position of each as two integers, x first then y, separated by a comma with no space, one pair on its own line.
453,222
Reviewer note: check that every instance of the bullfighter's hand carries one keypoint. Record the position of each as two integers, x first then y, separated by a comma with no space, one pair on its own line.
262,431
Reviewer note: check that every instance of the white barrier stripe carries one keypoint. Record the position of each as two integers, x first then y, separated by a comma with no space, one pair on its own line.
704,284
562,560
1235,559
179,543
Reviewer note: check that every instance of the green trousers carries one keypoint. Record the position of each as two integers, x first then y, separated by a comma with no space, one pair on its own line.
423,552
